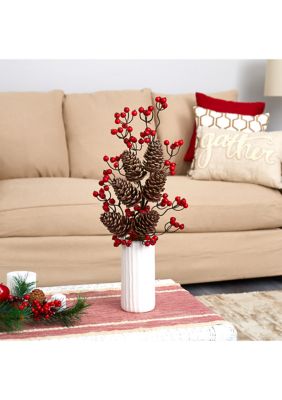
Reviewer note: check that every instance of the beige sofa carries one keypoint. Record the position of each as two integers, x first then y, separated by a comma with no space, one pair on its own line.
51,149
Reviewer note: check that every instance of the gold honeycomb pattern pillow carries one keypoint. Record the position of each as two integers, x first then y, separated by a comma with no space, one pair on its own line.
236,122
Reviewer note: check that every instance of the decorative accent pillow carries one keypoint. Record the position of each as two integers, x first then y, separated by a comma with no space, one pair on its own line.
178,122
226,106
236,122
226,155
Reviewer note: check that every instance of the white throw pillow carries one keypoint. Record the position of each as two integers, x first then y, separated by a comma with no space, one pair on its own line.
227,155
236,122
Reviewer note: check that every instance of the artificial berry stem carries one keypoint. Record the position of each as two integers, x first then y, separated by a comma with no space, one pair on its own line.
131,223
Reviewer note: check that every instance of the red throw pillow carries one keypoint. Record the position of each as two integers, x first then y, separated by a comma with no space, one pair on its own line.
220,105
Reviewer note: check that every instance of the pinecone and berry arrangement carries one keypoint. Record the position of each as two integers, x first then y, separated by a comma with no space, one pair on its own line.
28,306
131,189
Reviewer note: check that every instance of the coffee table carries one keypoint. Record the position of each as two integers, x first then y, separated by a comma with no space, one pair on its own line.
178,316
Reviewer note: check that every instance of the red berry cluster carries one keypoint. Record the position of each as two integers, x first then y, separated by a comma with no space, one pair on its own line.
176,224
22,302
106,177
147,135
181,202
141,210
124,127
165,201
137,210
178,204
118,242
39,311
151,240
161,102
107,203
147,112
45,310
124,115
129,141
123,119
124,131
171,165
174,146
113,160
101,195
177,143
129,213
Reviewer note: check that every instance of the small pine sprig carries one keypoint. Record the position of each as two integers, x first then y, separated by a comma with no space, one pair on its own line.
70,315
20,310
21,287
12,318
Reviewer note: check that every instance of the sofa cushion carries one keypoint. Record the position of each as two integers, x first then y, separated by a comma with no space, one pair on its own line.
32,135
178,120
227,155
89,119
225,106
216,206
65,206
49,207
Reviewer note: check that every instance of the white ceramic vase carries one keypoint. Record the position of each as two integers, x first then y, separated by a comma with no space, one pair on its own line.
138,278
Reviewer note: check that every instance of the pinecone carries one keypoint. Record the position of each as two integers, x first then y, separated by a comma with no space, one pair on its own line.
146,223
126,192
154,157
116,223
37,294
154,186
134,171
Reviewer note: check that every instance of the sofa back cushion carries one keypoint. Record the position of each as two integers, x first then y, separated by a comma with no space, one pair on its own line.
177,121
32,135
89,119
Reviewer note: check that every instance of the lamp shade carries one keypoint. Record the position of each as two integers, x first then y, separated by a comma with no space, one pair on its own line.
273,78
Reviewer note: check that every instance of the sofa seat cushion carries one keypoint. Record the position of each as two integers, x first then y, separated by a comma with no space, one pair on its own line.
217,206
65,207
32,135
49,207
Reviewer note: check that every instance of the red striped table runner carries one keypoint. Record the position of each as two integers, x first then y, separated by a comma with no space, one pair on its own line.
174,307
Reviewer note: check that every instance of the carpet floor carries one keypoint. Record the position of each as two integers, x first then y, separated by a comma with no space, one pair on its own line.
255,315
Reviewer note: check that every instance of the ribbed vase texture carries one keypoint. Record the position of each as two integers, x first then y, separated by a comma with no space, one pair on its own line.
138,278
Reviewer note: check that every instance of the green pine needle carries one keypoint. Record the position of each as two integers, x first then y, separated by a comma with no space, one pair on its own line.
11,318
70,315
21,287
